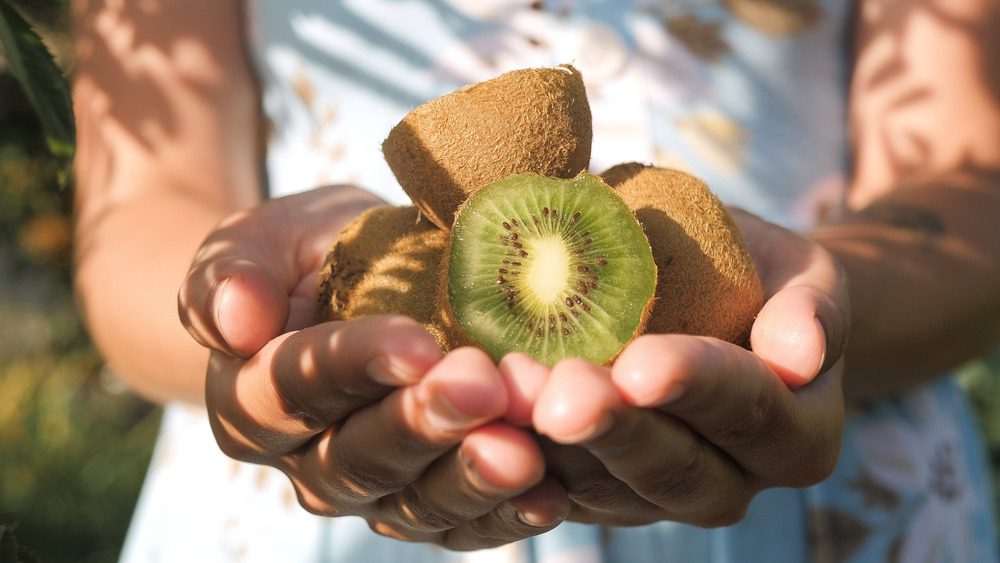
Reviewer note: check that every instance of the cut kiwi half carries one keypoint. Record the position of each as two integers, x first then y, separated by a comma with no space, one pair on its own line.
532,120
551,267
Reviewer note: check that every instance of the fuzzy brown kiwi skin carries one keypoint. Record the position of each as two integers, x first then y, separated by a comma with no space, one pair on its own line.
707,281
452,335
534,120
384,262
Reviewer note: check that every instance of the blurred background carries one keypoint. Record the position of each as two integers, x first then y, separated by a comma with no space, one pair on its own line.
74,442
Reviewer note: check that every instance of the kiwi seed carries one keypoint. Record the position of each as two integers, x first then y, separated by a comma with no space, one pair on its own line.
524,121
551,267
708,283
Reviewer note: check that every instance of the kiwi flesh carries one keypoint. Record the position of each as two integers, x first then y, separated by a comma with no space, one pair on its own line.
534,120
384,262
551,267
708,283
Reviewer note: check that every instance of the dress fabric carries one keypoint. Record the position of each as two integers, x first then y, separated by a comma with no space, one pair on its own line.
747,94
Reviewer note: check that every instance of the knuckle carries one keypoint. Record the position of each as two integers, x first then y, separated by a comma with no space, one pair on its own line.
393,531
236,446
313,496
315,505
361,486
726,514
714,508
234,449
811,469
607,494
681,481
483,533
747,427
416,513
690,493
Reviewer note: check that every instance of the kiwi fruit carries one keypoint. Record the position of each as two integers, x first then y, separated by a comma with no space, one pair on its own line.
707,282
384,262
550,267
510,245
534,120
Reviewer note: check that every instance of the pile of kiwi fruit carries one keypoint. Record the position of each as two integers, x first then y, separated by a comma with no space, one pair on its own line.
510,244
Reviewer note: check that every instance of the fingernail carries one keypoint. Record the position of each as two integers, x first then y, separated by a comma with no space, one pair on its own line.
472,473
822,333
220,297
381,370
536,520
443,415
542,506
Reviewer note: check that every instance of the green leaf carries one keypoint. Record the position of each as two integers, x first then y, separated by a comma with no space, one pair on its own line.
44,84
10,551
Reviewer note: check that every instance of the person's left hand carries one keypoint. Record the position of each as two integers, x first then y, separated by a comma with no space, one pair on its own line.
690,428
366,417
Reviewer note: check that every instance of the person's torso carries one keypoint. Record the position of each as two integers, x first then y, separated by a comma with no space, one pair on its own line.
749,95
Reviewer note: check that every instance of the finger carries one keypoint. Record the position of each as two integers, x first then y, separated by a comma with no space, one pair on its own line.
233,305
791,334
386,446
236,297
658,457
802,330
305,381
731,397
524,378
790,337
597,496
533,512
493,463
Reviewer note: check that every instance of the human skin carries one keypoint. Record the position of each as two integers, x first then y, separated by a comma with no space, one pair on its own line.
920,250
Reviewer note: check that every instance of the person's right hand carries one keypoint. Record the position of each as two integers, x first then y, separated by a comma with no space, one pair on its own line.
366,417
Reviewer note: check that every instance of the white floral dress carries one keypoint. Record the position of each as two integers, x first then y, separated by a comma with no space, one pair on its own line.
747,94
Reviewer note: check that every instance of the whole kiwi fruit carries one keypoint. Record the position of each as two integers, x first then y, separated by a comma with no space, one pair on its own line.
534,120
384,262
551,267
707,282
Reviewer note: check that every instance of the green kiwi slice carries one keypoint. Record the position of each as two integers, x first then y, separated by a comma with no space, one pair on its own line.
554,268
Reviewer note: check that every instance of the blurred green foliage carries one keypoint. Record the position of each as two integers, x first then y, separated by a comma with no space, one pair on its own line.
74,443
982,379
31,61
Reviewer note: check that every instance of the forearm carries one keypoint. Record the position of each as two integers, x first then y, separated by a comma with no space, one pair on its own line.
166,147
923,265
130,263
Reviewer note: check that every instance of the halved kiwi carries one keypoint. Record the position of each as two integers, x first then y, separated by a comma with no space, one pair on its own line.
533,120
551,267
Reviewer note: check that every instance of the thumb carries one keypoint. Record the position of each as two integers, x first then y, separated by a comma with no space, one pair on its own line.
237,295
234,305
799,333
233,300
